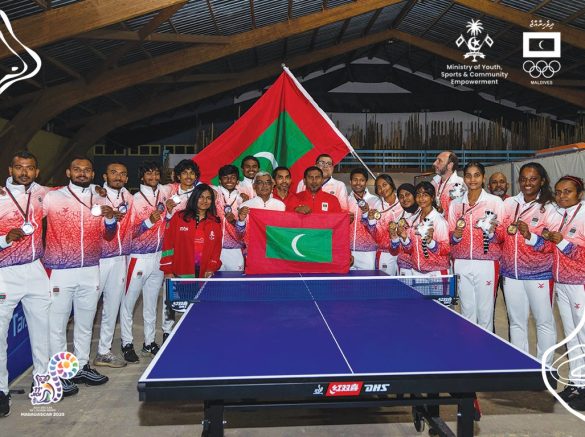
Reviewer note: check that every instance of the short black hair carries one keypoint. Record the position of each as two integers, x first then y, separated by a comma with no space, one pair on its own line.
116,163
359,170
148,166
24,154
279,168
81,158
311,168
228,170
249,158
186,164
321,156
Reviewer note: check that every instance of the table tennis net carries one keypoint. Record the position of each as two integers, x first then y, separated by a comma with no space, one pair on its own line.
442,288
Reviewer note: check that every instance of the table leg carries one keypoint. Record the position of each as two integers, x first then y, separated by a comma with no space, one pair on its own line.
212,419
465,417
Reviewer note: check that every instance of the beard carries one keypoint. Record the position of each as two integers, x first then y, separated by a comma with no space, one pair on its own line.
81,184
498,193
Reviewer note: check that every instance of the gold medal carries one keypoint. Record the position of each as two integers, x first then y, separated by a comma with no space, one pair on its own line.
512,229
392,226
377,215
461,223
545,234
403,223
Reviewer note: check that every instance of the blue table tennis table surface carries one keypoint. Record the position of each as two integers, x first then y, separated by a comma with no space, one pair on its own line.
267,340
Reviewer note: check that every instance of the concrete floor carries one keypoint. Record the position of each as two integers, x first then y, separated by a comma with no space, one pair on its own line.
114,409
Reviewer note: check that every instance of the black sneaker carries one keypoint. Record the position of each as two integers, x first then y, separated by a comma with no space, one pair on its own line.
129,354
69,388
4,404
89,376
165,336
150,350
578,401
569,393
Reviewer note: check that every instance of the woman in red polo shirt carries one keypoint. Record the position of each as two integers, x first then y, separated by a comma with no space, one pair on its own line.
192,239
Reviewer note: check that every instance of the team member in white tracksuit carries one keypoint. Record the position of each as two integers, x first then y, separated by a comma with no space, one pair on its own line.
250,166
528,283
564,236
445,180
227,203
472,223
113,263
76,229
390,212
22,276
362,244
144,274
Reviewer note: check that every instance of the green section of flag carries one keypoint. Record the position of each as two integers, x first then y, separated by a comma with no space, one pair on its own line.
283,141
299,244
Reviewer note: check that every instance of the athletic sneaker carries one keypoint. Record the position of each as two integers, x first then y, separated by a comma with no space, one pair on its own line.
4,404
89,376
569,393
129,354
150,350
109,360
578,401
69,387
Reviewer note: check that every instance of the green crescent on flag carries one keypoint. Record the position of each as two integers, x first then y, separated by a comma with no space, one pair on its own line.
299,244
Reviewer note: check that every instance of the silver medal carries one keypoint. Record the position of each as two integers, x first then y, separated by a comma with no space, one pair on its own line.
227,209
160,206
96,210
361,203
27,228
122,208
177,199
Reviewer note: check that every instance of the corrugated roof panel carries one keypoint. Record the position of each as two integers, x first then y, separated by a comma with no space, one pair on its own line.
194,18
561,10
270,52
305,7
16,9
386,17
523,5
328,35
299,43
356,26
233,16
74,54
269,12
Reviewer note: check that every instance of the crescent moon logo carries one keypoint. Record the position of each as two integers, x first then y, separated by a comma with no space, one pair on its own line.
269,156
540,44
294,243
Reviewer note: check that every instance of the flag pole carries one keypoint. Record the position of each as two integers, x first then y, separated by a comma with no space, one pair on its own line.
326,118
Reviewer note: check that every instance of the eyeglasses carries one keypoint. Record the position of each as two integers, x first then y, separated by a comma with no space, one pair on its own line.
564,192
263,182
325,164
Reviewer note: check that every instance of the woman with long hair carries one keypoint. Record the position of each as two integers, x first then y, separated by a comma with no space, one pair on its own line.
389,212
564,236
192,239
473,220
410,212
528,283
426,239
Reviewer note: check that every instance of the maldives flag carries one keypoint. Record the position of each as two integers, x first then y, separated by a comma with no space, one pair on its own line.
288,242
284,127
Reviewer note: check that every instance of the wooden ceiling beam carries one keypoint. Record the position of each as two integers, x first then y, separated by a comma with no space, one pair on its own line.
97,127
127,35
30,119
570,35
68,21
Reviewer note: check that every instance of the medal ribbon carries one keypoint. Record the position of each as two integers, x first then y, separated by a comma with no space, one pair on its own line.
388,209
22,212
147,201
79,200
572,217
123,200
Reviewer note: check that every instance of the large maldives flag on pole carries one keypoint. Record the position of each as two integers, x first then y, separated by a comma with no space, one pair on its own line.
289,242
285,127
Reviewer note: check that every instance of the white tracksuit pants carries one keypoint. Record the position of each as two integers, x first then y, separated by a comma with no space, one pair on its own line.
144,275
112,286
363,260
231,260
522,297
77,288
478,283
28,283
571,301
387,263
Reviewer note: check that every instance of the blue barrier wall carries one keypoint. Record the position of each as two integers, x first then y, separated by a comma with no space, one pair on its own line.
19,354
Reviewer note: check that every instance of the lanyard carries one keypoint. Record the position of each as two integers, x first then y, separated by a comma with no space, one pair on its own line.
413,220
79,200
147,201
388,209
469,210
225,201
23,212
123,200
518,217
572,217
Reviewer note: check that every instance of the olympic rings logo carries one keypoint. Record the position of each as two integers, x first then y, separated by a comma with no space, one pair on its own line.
541,68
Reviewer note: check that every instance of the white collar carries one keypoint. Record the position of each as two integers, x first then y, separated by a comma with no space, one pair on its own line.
80,190
18,188
365,196
113,191
224,191
520,198
147,189
481,197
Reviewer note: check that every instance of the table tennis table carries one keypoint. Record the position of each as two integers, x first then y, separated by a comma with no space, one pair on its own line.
331,342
